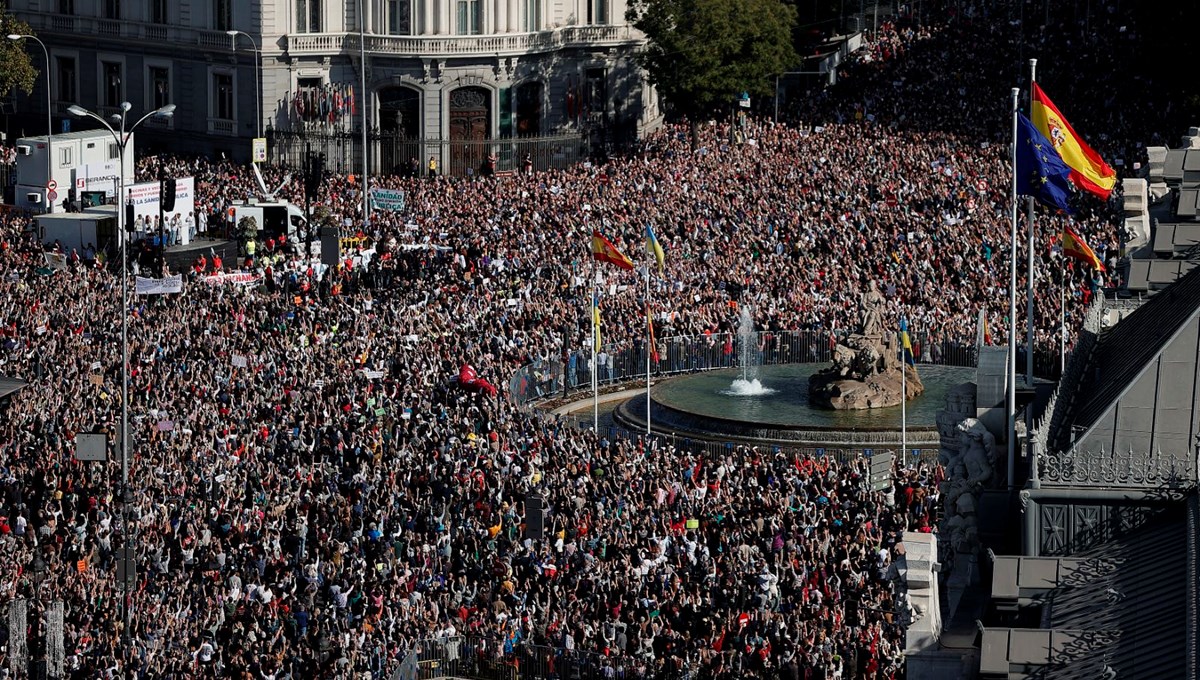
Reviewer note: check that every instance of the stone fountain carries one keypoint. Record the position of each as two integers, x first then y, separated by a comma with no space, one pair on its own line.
866,371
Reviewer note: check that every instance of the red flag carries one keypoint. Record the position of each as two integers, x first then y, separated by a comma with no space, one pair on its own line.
353,104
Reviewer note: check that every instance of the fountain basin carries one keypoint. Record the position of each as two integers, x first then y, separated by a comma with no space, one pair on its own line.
700,405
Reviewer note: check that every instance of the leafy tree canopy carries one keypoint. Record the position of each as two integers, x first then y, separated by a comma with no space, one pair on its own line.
16,68
701,54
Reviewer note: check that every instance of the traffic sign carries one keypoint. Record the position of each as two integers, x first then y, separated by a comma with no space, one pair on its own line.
52,185
880,476
52,196
259,150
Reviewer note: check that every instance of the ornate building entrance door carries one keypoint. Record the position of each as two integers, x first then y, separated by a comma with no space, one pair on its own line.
400,129
470,128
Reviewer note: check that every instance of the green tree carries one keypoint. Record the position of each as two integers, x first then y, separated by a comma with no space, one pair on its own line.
701,54
16,68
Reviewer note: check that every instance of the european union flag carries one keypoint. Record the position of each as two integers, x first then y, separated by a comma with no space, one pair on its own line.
1041,172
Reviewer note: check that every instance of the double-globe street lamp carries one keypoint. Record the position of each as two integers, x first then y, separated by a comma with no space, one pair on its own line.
258,77
122,138
49,116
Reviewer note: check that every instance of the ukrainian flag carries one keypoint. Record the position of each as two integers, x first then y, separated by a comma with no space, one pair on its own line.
906,345
655,248
596,318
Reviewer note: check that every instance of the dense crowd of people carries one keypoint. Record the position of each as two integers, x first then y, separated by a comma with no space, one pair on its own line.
312,494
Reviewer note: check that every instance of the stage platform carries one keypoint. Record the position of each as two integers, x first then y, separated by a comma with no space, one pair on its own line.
180,257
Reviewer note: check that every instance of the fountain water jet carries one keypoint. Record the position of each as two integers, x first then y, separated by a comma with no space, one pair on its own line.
748,385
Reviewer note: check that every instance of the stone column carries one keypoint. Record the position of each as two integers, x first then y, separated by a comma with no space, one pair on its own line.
426,27
500,24
514,16
444,13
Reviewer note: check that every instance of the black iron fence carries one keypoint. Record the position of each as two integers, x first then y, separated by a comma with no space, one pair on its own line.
392,153
685,354
614,364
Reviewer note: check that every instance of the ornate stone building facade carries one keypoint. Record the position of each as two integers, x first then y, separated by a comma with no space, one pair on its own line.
447,70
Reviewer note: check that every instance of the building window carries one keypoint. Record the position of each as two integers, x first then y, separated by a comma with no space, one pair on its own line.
597,11
112,9
533,15
399,17
160,86
223,96
308,16
158,11
112,83
469,17
66,78
222,15
66,7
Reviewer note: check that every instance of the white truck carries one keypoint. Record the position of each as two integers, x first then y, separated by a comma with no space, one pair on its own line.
78,230
273,219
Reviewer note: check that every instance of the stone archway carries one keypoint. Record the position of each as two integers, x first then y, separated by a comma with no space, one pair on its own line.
399,128
470,127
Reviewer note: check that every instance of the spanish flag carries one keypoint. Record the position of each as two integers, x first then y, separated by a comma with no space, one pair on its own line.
650,325
655,247
1089,172
604,251
596,319
1076,247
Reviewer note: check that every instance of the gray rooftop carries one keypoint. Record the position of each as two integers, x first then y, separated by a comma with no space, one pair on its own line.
1123,608
1133,359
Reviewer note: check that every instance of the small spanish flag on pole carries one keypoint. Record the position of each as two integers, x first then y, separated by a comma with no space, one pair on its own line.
604,251
1075,247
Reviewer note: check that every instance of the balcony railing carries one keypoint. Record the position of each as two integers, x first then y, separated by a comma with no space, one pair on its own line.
110,28
155,32
221,126
432,46
214,40
502,44
63,24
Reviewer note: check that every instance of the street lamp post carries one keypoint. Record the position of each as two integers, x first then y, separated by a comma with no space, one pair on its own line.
49,117
258,77
122,138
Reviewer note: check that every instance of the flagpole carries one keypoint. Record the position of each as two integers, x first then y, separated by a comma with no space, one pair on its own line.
1029,208
649,342
1062,318
595,368
1012,309
903,406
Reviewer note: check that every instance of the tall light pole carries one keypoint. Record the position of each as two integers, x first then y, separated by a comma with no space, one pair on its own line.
362,62
258,77
49,117
122,138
